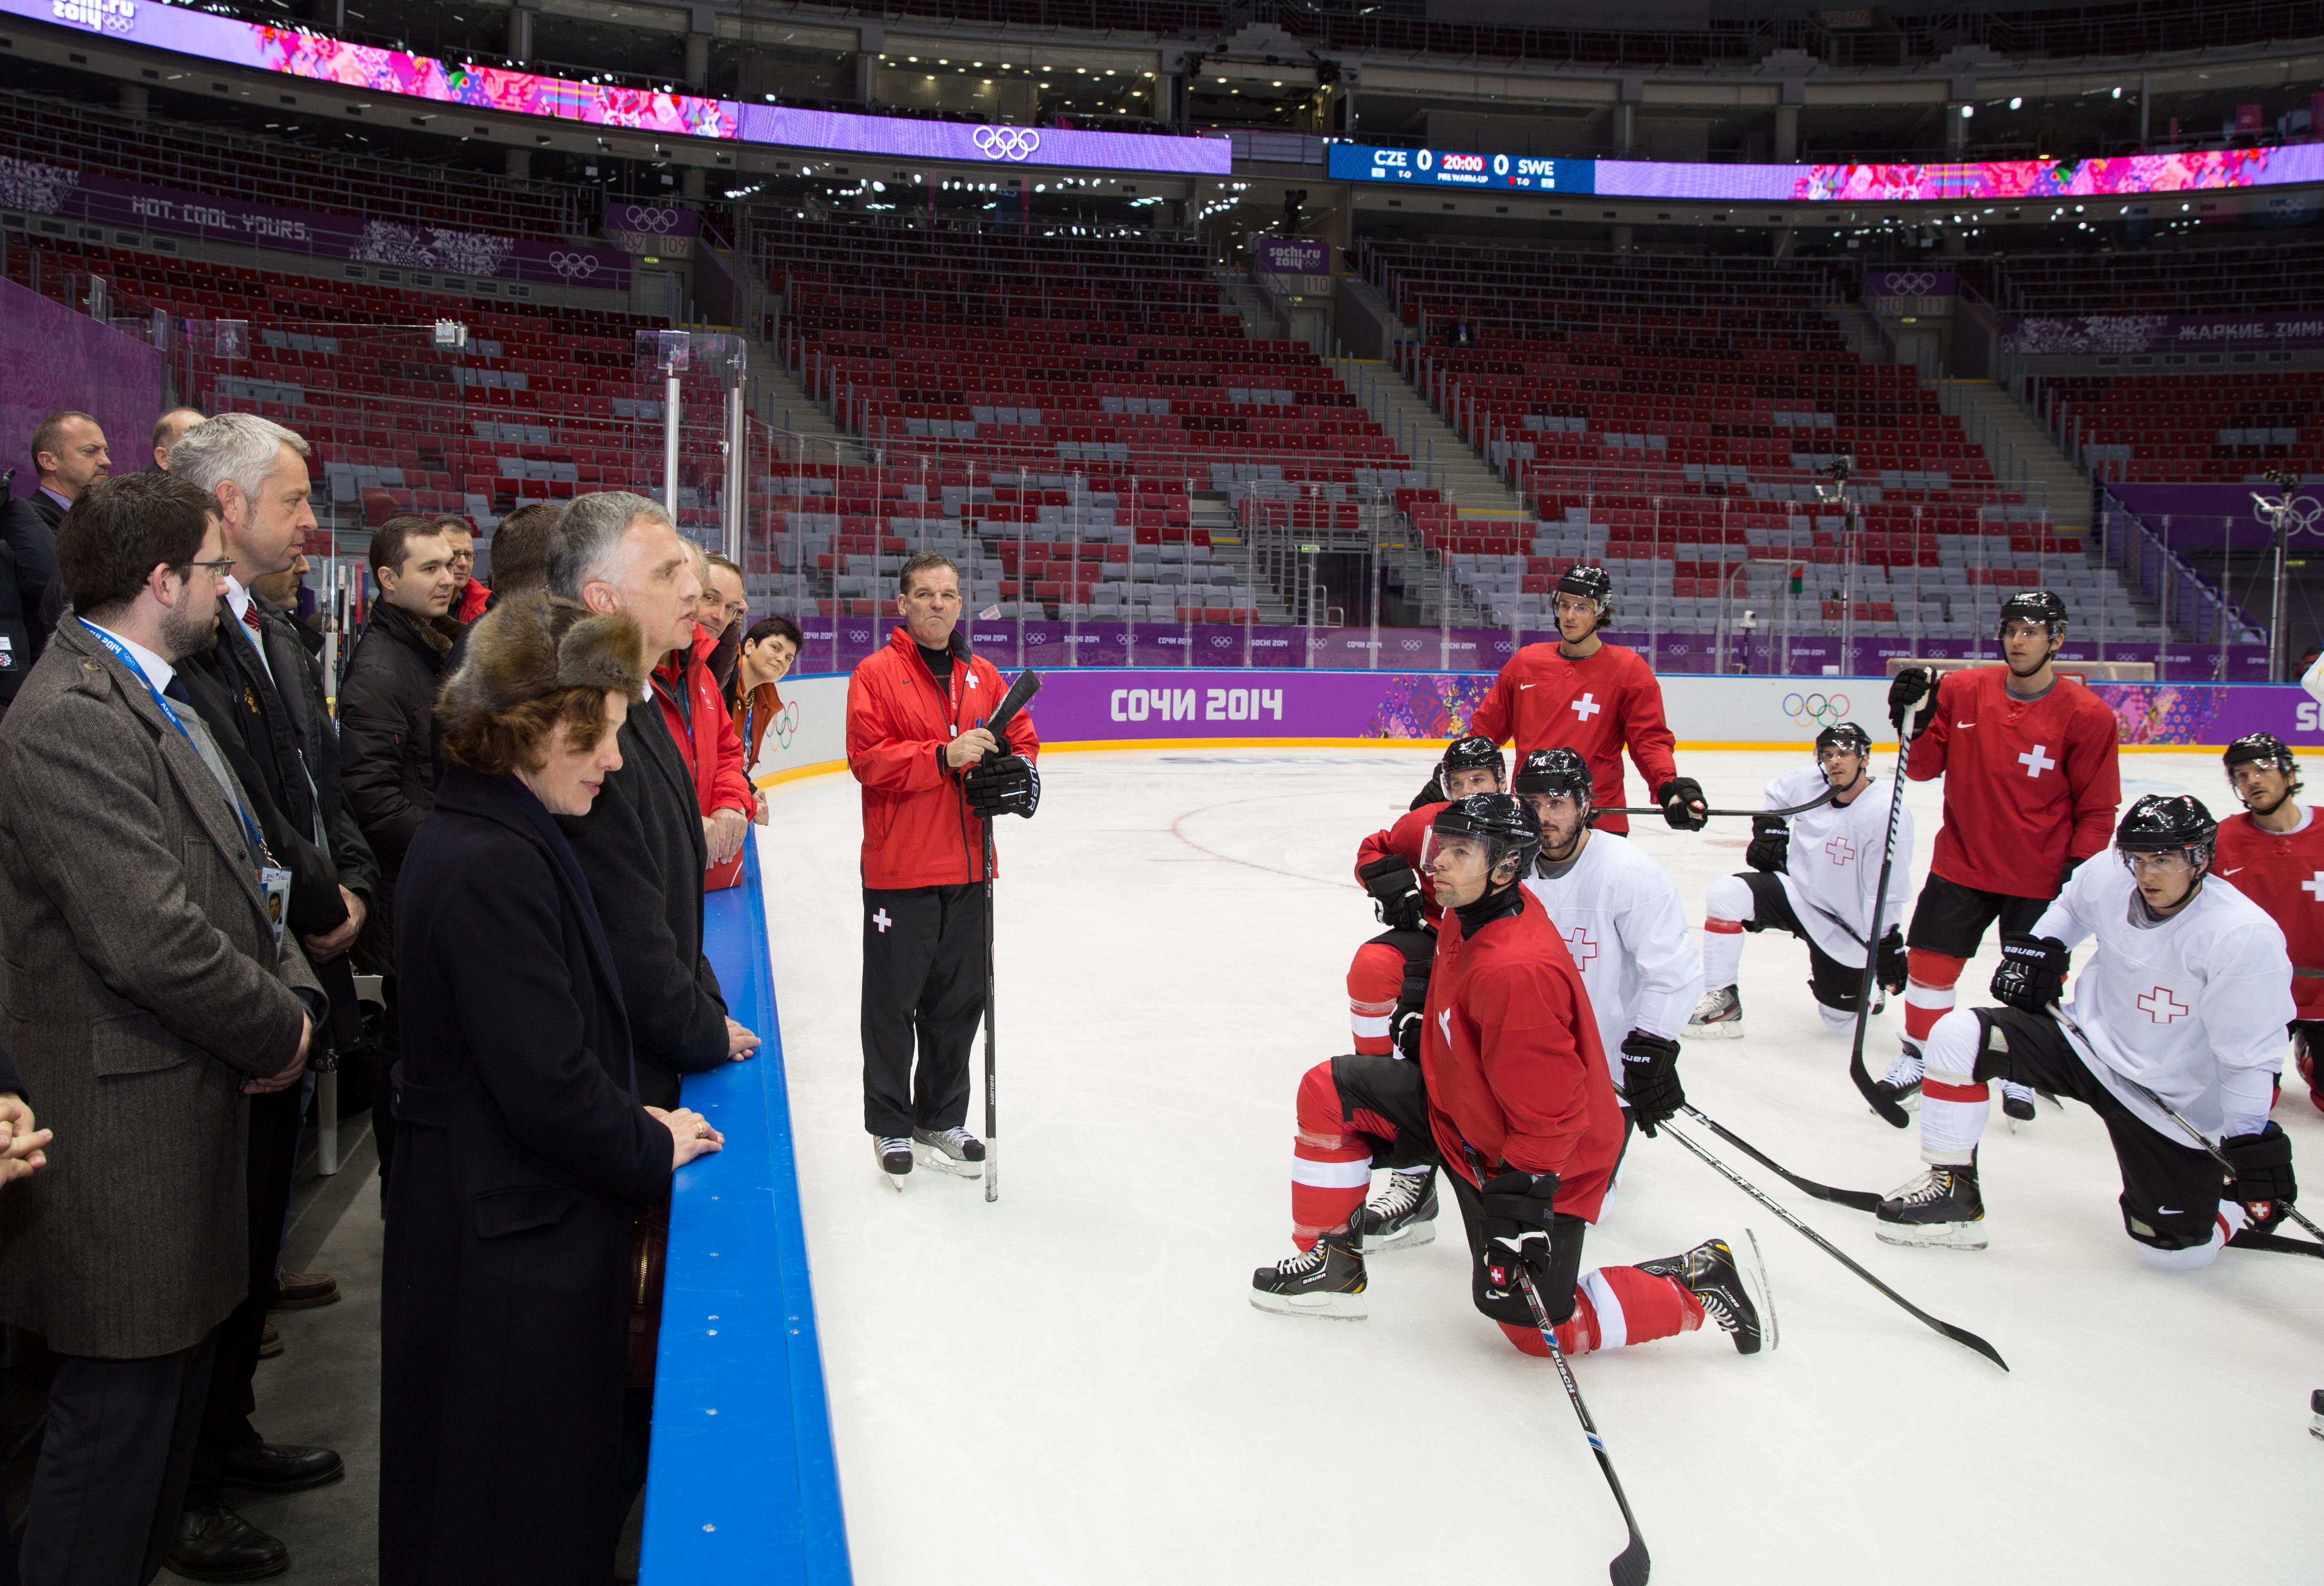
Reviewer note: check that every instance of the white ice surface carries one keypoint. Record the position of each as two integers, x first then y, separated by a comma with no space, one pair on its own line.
1070,1385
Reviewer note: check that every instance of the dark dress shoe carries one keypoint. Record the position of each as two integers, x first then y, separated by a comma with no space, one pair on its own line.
214,1543
269,1342
279,1467
298,1291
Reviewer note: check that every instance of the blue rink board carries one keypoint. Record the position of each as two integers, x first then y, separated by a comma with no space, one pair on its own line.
742,1484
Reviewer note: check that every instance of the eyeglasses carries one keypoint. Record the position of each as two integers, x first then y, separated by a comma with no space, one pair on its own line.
216,569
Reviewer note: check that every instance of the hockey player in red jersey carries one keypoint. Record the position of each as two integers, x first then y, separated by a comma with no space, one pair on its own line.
2031,787
1388,981
1595,698
1511,1096
2274,854
2183,999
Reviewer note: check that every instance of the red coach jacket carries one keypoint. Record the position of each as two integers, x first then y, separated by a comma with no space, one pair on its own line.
706,739
918,831
1512,1058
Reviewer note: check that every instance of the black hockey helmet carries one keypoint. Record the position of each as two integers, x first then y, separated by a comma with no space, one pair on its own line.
1554,770
2032,605
2157,824
1593,583
1844,735
1507,827
2266,747
1474,754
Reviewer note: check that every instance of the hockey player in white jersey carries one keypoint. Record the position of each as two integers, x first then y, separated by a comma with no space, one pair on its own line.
1624,926
2185,994
1622,919
1816,880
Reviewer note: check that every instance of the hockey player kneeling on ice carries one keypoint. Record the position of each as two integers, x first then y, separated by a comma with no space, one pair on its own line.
1388,981
1816,881
2185,994
1510,1096
2271,854
1624,925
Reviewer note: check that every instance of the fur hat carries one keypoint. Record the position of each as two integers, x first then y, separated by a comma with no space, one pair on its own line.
539,644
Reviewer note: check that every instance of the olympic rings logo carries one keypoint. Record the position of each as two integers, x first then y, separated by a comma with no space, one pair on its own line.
1908,283
647,217
1006,143
572,266
786,724
1816,708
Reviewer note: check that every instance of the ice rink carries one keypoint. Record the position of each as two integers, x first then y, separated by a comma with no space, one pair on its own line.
1070,1385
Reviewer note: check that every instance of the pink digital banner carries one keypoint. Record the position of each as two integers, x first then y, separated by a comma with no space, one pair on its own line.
1996,179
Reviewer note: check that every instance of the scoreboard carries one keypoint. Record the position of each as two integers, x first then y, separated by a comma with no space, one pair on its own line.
1452,169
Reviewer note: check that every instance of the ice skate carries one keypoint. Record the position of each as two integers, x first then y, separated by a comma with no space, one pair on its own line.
2316,1413
949,1151
2016,1104
1327,1281
1902,1082
1402,1216
1719,1017
1733,1291
1942,1208
895,1158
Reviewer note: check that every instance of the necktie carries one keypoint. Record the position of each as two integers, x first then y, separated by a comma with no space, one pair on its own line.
175,691
250,620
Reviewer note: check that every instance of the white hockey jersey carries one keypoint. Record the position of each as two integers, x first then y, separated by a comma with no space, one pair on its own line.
1834,867
1620,915
2194,1008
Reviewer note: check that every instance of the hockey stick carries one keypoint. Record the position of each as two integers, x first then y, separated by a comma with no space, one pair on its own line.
1630,1565
2196,1135
1829,794
2251,1239
1854,1200
1960,1335
1028,684
1886,1106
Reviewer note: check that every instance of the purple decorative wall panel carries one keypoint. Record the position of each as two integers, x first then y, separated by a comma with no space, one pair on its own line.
52,357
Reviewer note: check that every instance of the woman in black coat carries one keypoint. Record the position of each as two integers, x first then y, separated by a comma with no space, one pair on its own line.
524,1154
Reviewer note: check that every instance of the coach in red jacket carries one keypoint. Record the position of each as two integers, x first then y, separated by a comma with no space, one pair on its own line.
931,775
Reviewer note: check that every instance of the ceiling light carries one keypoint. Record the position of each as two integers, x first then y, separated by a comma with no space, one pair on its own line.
2017,103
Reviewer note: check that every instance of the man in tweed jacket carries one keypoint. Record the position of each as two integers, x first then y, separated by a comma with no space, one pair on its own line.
144,995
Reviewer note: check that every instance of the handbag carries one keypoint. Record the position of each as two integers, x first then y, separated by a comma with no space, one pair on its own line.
649,1259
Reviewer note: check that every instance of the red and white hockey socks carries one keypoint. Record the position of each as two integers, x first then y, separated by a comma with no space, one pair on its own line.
1331,1169
1954,1102
1726,906
1929,984
2230,1223
1375,981
1615,1307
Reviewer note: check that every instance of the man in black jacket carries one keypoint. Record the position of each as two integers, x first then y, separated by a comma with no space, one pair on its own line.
642,844
69,455
387,744
259,692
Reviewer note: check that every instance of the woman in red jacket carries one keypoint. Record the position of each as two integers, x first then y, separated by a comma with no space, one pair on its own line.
931,776
1511,1095
695,711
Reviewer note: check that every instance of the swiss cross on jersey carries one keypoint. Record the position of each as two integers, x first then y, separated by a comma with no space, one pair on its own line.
1585,707
2161,1005
2036,759
1840,850
1578,942
2314,886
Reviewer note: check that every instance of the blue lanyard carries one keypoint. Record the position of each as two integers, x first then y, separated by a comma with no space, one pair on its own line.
121,653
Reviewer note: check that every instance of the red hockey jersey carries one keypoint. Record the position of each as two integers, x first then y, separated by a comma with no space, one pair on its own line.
2029,784
1593,706
1512,1058
1404,839
2283,873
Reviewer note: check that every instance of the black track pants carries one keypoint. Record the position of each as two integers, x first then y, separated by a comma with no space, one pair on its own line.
924,986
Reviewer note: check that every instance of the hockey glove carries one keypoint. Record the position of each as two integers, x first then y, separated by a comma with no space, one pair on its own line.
2307,1040
1516,1213
1890,971
1431,791
1394,887
2263,1181
1683,804
1650,1080
1771,845
1912,686
2032,972
1003,785
1409,1024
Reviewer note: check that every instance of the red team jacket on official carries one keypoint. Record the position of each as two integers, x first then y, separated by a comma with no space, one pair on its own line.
1512,1058
2028,784
706,740
1545,700
918,831
1404,839
2283,873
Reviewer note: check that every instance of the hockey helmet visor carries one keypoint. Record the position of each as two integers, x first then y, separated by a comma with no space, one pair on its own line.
1483,830
2266,749
1590,582
1473,754
2038,607
2178,824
